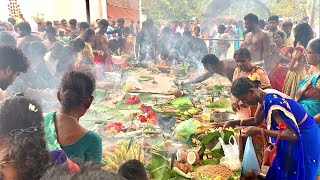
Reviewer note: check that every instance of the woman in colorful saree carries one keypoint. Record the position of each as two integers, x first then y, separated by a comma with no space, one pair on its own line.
297,67
308,90
298,149
279,45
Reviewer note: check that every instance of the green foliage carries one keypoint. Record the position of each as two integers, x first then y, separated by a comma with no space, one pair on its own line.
189,9
173,9
288,8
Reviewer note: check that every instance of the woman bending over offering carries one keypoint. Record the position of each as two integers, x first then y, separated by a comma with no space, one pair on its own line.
297,155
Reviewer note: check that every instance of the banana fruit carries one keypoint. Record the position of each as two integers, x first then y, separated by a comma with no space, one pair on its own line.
113,160
193,111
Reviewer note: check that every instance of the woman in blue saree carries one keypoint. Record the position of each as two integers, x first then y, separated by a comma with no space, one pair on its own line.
308,89
298,150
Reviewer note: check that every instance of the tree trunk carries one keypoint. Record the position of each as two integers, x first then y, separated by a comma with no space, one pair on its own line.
312,11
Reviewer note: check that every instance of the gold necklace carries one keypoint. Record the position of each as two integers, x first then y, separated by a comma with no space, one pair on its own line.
68,116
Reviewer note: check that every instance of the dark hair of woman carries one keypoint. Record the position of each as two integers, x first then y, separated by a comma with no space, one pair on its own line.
280,33
302,33
77,45
197,28
222,28
75,88
242,86
315,45
88,34
89,170
22,131
242,53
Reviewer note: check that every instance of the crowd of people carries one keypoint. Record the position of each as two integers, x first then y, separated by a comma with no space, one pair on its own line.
60,57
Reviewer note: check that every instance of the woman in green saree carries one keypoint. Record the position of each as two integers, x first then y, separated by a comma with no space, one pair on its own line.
62,128
308,89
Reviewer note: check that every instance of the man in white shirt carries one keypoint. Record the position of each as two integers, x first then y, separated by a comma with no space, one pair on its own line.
180,28
214,30
52,57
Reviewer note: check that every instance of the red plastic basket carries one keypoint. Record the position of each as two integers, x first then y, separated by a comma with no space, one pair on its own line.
118,60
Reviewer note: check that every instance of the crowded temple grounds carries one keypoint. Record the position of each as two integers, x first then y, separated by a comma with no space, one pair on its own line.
124,100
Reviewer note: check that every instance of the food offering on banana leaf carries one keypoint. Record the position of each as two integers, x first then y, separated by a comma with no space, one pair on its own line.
215,172
116,155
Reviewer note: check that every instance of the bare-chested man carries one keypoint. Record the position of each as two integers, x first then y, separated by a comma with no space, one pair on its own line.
100,43
213,65
257,41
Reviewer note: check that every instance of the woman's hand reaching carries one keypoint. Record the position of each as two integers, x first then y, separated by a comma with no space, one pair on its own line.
250,131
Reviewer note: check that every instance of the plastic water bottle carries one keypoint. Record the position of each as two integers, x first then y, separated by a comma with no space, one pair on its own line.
206,115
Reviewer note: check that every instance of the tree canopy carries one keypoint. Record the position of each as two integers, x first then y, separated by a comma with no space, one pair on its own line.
189,9
174,9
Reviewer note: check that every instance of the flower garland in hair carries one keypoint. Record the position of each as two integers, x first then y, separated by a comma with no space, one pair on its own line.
254,77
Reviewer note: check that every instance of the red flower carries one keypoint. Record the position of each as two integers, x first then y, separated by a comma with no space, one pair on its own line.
282,126
154,121
145,143
152,115
144,108
116,125
142,118
132,100
154,136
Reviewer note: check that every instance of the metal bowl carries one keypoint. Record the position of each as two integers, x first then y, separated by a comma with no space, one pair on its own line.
164,70
222,117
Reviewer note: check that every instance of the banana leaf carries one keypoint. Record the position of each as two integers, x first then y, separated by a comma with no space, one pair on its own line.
213,161
159,167
145,78
181,101
144,98
99,95
210,137
221,103
100,113
165,109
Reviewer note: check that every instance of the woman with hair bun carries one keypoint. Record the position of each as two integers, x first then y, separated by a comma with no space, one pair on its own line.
298,148
62,128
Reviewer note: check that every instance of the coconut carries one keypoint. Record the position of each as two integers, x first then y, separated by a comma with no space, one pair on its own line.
193,158
177,93
181,155
184,167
